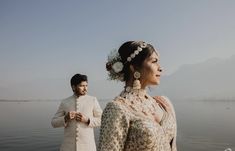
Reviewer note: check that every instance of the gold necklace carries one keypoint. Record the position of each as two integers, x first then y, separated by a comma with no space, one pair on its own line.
140,102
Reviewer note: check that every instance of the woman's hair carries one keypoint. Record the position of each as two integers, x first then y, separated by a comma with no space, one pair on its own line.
77,79
127,49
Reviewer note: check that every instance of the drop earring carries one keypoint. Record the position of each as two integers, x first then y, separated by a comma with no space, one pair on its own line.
136,83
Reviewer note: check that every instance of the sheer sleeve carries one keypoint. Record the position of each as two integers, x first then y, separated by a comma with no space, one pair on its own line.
174,148
114,128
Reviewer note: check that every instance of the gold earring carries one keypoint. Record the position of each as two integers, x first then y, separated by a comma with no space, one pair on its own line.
136,83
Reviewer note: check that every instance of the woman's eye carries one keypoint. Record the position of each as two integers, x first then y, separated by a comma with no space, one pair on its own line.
155,61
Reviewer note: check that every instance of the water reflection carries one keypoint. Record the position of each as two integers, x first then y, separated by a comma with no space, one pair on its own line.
202,126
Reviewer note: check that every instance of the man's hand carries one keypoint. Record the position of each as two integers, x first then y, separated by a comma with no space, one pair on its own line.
82,118
69,116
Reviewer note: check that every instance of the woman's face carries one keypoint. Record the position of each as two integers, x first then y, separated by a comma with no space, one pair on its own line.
150,71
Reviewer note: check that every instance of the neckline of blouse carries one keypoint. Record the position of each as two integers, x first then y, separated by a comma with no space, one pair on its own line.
137,92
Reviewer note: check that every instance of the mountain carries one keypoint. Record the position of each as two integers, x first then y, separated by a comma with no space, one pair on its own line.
212,79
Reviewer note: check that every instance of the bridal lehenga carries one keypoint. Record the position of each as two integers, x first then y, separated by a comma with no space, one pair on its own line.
128,123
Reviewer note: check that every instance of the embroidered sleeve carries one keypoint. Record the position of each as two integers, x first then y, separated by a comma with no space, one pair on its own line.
114,128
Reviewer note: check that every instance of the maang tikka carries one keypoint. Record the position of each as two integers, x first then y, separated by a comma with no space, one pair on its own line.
136,83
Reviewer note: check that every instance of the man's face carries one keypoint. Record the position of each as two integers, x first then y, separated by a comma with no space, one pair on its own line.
80,89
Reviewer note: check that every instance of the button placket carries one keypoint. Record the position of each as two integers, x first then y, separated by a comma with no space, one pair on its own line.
77,128
77,125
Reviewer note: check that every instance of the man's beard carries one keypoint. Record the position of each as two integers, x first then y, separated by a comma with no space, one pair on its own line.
83,93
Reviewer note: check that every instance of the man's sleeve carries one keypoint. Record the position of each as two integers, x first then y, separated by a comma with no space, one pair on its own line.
58,119
97,112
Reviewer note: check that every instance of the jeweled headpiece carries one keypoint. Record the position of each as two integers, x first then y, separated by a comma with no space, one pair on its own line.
137,51
115,64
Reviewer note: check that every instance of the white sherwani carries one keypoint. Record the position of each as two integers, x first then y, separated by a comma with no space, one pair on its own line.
78,136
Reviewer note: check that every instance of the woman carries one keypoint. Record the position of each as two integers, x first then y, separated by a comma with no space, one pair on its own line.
135,121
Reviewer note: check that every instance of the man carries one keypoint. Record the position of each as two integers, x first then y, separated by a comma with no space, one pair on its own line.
78,114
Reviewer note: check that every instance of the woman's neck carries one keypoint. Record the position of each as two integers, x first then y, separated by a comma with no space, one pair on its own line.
130,84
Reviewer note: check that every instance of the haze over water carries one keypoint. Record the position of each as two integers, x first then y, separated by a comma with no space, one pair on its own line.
202,126
44,43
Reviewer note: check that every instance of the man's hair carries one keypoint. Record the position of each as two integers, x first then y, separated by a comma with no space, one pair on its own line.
77,79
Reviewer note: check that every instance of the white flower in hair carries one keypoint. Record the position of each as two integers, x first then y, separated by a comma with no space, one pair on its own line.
117,67
114,66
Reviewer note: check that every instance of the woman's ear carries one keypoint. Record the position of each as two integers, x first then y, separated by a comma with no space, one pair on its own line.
132,69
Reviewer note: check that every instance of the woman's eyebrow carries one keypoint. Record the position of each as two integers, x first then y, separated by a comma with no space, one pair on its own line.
154,58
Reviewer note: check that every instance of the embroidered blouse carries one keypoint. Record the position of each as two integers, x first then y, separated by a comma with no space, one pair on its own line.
128,124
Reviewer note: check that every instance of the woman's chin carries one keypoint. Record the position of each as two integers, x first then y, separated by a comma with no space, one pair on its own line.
157,82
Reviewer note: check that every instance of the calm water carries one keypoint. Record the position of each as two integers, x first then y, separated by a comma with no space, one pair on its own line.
202,126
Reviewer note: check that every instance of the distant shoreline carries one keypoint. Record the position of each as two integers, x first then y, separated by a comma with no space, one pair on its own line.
103,100
2,100
54,100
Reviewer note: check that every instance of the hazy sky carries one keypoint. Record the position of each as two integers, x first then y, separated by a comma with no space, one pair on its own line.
43,43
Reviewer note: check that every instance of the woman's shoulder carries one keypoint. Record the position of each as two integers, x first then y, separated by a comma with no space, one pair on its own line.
116,104
115,110
163,99
167,100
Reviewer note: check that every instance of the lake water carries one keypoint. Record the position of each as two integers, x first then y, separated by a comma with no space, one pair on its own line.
202,126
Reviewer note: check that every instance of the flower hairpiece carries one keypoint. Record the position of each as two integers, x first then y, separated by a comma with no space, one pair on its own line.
114,66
